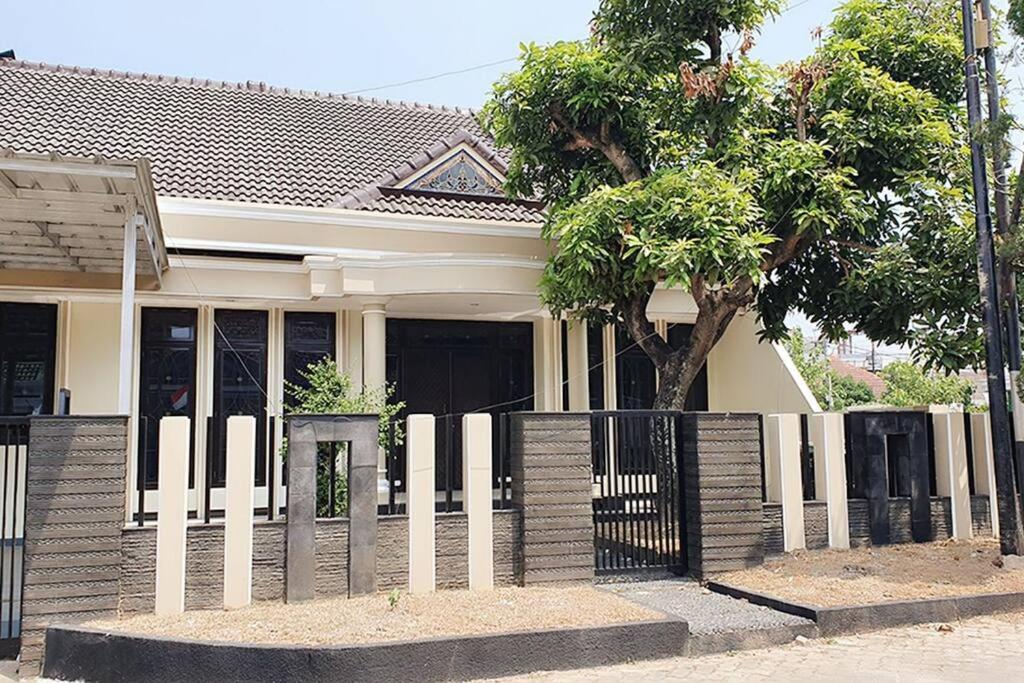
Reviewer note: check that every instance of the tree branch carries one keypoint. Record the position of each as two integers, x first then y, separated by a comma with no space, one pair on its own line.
633,312
603,140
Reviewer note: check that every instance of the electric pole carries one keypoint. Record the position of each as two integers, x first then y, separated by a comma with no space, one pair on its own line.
1011,535
1007,278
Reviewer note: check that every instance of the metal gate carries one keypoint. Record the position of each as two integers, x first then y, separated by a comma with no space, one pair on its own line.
13,460
637,491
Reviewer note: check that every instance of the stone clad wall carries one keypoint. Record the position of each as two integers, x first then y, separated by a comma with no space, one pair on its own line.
552,485
816,520
205,559
74,506
722,490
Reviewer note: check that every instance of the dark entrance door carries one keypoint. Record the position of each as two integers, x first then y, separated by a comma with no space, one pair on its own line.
239,384
449,368
167,376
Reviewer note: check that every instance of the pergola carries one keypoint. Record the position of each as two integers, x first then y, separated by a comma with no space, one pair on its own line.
74,222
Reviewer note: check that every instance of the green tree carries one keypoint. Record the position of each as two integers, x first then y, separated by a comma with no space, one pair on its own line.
908,384
833,391
329,391
834,186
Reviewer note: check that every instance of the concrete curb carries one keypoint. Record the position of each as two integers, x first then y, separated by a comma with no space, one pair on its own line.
77,653
835,621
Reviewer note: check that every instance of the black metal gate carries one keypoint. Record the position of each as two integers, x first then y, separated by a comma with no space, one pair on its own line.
13,460
638,520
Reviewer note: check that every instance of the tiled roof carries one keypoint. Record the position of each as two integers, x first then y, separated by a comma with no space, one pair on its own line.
236,141
874,382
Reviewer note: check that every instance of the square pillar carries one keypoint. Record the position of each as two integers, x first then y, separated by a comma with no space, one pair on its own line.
951,469
172,515
419,492
826,436
782,456
239,493
477,499
984,468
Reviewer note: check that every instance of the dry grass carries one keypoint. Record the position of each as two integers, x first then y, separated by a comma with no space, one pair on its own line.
837,578
338,621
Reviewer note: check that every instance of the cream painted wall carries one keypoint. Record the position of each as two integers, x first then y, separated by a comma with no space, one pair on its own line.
745,375
92,360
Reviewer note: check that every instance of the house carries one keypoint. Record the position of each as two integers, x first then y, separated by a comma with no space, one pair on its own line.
858,373
173,246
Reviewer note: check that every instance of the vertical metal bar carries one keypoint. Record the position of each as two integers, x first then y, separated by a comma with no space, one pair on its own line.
143,457
391,455
3,521
503,450
211,448
680,485
24,429
332,478
271,466
597,503
643,456
628,486
12,580
760,449
448,463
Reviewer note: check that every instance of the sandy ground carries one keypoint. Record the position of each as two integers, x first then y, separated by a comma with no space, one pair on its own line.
835,578
337,621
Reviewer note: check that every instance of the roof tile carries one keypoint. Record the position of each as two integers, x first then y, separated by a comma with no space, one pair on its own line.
238,141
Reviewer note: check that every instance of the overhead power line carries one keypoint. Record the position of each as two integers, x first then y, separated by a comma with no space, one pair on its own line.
486,65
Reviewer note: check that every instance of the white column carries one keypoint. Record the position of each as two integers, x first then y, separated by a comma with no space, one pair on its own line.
547,391
825,431
172,515
984,469
419,496
579,375
476,497
374,340
782,456
951,469
241,444
375,368
127,340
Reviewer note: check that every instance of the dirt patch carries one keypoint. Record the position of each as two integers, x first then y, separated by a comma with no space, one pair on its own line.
338,621
839,578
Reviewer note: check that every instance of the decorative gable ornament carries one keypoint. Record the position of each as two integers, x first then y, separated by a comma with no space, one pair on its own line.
461,164
459,174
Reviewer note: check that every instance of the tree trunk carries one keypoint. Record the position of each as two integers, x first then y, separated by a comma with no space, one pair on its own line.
676,376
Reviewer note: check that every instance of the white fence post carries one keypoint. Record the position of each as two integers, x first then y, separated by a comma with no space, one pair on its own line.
477,499
172,515
825,431
419,502
782,455
984,469
951,469
238,493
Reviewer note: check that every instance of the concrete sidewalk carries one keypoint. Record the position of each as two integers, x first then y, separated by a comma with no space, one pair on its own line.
982,649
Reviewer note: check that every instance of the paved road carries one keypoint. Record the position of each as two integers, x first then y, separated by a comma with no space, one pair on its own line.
983,649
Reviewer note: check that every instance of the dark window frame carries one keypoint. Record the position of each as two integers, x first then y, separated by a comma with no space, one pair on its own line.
23,328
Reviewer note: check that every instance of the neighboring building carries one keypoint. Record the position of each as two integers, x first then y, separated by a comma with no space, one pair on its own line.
270,227
861,374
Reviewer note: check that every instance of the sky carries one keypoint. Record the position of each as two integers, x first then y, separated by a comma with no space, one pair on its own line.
345,46
339,46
